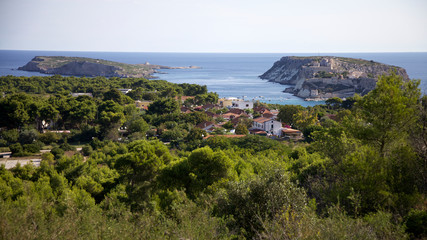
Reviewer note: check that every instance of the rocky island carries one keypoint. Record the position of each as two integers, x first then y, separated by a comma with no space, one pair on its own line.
322,77
79,66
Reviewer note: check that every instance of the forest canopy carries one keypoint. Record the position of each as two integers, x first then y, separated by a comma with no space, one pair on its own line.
361,172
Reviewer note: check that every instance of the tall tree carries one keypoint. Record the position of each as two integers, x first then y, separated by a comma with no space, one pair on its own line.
385,115
287,112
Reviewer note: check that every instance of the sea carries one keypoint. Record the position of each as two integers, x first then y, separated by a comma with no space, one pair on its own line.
228,74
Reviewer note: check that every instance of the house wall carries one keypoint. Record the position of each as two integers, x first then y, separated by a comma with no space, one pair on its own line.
273,127
225,102
243,104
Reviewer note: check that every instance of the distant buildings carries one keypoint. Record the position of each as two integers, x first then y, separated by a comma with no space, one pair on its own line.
227,102
142,104
292,134
81,94
125,90
242,104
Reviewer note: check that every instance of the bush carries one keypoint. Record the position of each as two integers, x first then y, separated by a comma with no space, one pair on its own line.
11,136
67,147
50,137
16,148
28,136
3,143
416,224
57,152
31,148
48,157
87,150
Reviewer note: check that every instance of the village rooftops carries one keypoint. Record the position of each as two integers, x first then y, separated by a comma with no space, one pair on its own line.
290,130
261,119
204,125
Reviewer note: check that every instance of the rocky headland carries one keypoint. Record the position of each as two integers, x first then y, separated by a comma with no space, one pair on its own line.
79,66
323,77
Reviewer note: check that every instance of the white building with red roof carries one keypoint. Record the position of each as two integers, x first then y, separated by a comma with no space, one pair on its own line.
271,126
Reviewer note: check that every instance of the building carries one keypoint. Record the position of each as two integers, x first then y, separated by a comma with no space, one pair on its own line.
185,110
208,106
81,94
242,104
230,116
272,127
227,102
125,90
292,134
142,104
207,126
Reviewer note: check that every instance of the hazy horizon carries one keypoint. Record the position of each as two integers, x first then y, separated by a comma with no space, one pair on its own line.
195,26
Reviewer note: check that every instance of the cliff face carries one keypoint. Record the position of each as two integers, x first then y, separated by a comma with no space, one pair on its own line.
325,77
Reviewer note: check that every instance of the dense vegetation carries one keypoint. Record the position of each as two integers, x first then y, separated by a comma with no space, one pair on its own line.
360,174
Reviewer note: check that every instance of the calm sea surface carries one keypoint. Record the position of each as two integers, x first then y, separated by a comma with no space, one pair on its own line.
228,74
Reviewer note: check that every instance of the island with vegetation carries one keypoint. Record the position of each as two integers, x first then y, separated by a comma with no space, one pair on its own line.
80,66
324,77
171,161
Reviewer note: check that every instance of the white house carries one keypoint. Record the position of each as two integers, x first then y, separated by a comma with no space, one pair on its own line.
242,104
125,90
269,125
81,94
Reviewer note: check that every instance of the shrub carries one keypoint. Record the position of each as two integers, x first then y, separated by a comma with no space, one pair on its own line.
28,136
16,148
31,148
57,152
3,143
87,150
48,157
416,224
49,137
67,147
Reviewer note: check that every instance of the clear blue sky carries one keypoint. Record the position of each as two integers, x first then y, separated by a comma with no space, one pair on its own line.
215,25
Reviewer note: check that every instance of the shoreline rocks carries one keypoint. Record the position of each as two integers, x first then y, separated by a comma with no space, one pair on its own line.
323,77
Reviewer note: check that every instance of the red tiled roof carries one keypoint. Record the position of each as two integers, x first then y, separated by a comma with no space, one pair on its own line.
260,109
290,130
204,124
268,115
230,115
261,119
236,111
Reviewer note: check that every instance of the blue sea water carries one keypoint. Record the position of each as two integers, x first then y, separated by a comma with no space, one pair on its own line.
228,74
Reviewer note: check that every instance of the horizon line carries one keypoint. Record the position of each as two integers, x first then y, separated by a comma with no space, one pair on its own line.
195,52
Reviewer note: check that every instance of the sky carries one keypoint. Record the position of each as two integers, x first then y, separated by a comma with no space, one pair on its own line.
265,26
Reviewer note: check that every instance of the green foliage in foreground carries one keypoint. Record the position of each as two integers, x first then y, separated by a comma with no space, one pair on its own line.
361,177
